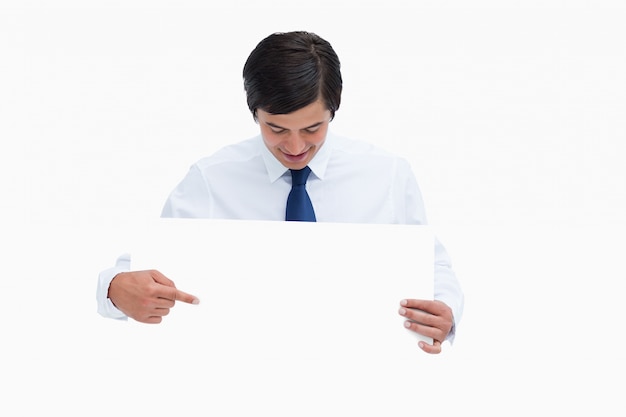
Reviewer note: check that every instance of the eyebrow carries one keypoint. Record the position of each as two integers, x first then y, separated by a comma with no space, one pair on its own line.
270,124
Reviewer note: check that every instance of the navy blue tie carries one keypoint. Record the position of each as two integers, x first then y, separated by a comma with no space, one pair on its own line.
299,207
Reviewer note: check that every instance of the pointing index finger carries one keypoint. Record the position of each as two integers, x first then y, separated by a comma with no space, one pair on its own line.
186,298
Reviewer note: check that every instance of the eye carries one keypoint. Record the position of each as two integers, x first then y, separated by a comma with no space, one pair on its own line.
311,129
278,131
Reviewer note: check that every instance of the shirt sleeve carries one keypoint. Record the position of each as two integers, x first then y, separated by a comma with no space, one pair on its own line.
190,198
447,288
105,307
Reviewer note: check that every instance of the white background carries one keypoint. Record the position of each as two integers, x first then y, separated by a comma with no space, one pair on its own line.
511,113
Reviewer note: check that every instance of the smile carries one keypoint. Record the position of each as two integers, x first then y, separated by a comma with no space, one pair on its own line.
296,158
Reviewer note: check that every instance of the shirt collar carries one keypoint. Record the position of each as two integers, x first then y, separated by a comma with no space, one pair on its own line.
318,164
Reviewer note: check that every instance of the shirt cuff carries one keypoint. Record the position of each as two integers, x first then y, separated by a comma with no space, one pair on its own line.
106,308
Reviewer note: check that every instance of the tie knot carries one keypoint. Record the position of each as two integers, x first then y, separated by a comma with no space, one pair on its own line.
299,176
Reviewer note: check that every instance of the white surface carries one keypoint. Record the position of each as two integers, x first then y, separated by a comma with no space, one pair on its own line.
294,283
284,326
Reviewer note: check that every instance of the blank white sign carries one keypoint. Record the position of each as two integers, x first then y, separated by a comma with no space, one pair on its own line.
294,318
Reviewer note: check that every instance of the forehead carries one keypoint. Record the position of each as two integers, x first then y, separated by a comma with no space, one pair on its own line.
307,116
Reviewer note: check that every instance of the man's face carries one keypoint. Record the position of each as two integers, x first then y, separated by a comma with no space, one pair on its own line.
295,138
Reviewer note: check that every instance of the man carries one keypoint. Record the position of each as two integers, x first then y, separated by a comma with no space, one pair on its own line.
293,85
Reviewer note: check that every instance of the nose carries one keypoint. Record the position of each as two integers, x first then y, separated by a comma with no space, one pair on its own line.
295,144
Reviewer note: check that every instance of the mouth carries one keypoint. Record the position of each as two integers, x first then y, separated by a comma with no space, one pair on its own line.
296,158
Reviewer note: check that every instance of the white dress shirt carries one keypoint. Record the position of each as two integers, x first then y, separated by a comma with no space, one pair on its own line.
351,182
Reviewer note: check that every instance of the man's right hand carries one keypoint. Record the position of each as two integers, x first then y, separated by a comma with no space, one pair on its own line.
146,296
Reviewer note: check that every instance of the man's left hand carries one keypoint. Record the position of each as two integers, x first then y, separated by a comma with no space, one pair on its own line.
429,318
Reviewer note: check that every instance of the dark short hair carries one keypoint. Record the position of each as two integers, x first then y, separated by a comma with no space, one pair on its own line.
290,70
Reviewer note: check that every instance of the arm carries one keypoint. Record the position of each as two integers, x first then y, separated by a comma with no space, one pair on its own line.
437,318
145,296
106,308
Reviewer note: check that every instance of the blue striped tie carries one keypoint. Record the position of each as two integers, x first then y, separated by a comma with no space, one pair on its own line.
299,207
